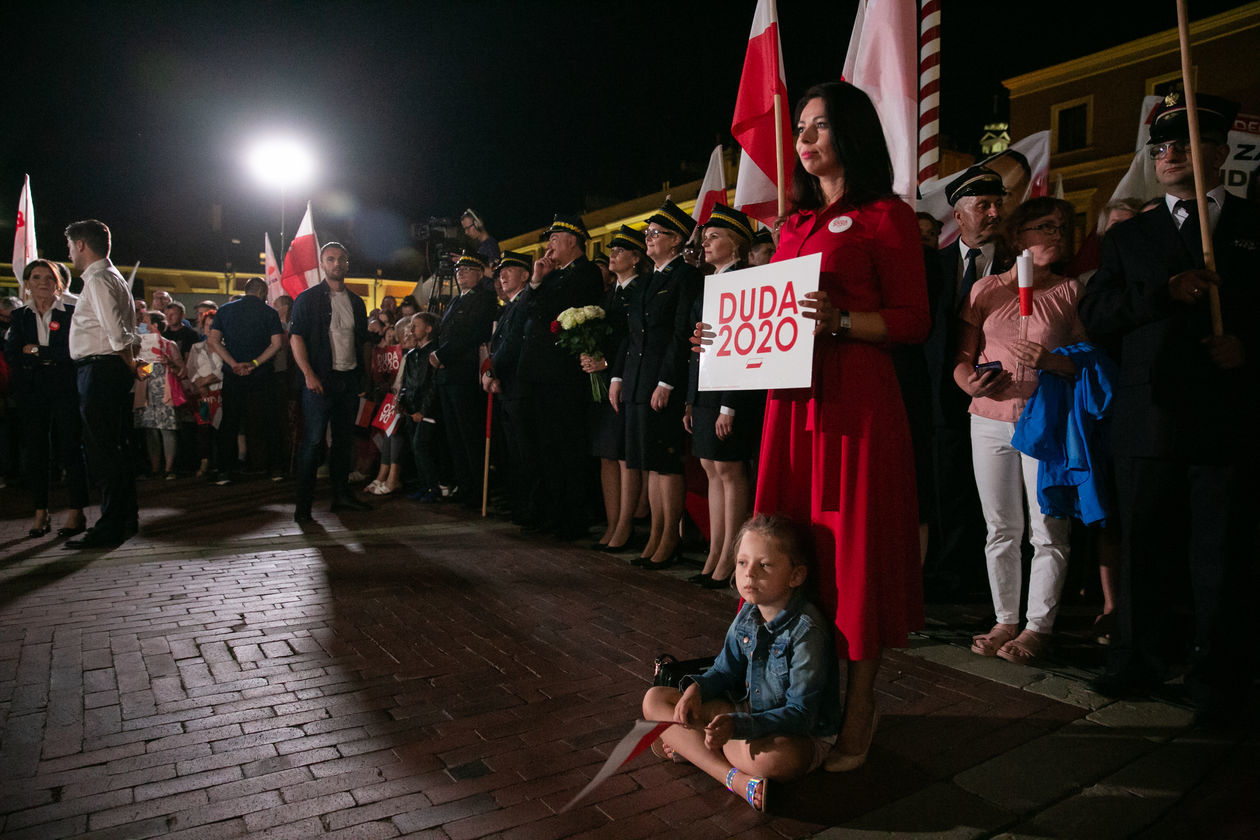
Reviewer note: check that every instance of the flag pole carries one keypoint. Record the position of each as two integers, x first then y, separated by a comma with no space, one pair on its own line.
1200,194
485,469
778,154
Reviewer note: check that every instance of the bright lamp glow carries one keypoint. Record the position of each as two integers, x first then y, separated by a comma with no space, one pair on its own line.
282,162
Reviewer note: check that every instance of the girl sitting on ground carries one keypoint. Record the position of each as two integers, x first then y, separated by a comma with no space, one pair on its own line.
769,708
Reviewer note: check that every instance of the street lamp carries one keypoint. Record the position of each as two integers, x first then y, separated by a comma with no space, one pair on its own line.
283,163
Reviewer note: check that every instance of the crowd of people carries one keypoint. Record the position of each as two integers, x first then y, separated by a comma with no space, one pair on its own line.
968,407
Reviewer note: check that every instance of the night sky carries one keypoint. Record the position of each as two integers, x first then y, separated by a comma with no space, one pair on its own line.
141,114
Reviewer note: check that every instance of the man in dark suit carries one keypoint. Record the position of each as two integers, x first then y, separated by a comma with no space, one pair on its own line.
1185,417
501,378
556,393
465,327
955,561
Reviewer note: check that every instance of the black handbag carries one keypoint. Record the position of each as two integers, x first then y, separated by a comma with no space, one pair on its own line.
669,671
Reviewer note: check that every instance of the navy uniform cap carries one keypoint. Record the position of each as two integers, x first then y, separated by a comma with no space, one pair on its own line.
731,219
978,180
1169,120
628,237
565,223
514,258
673,219
467,260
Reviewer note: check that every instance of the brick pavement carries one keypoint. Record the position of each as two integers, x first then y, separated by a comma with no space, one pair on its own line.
420,672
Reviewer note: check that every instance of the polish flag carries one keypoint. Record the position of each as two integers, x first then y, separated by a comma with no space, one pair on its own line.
1024,272
24,249
883,60
301,263
755,125
638,739
271,271
712,188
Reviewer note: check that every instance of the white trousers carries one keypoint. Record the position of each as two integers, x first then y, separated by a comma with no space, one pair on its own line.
1007,481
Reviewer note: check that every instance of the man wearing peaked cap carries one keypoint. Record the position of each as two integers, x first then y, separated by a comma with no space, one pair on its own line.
465,327
649,377
1184,416
555,392
950,571
501,378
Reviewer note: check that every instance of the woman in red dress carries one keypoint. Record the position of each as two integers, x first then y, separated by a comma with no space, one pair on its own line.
838,454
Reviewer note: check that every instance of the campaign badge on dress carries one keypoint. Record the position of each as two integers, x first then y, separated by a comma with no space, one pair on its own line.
840,224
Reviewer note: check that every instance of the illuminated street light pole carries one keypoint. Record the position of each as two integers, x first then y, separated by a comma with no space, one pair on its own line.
282,163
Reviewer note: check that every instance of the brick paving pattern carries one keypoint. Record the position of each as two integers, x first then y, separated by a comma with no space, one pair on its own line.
421,672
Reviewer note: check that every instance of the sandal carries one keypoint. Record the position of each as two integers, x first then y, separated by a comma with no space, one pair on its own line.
1104,626
750,789
1026,648
988,644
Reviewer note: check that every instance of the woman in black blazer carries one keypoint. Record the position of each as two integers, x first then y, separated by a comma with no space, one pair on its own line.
38,352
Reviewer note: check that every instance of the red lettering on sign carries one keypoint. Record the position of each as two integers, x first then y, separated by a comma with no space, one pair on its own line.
726,307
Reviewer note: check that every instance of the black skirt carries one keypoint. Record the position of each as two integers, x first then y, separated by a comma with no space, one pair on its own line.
655,440
742,444
608,431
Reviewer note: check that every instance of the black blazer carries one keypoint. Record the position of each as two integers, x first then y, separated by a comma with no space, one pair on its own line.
416,392
739,400
465,327
54,360
1171,400
543,362
657,346
505,346
949,402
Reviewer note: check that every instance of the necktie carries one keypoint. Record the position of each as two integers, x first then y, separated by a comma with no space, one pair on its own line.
1191,232
969,276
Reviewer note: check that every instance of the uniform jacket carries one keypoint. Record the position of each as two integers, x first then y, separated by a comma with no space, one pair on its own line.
543,361
505,346
656,348
465,327
26,369
1171,401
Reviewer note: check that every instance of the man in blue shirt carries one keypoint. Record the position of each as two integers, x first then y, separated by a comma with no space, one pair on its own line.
246,334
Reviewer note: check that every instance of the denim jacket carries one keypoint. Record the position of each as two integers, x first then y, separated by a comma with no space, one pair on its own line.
785,670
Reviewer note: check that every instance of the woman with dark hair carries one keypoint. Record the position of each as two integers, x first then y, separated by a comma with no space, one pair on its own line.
838,453
991,334
628,261
38,352
725,426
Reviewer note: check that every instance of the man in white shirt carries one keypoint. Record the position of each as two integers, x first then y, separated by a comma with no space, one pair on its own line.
102,341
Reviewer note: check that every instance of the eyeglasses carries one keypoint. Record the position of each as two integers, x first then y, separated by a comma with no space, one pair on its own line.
1046,229
1161,150
652,234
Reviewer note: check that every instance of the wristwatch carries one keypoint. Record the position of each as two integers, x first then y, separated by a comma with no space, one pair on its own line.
846,323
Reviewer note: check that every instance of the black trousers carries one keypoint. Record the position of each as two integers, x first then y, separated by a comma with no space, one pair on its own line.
464,419
1195,523
105,384
51,411
257,395
335,409
556,429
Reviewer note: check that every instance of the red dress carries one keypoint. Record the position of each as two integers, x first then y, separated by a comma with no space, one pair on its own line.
838,453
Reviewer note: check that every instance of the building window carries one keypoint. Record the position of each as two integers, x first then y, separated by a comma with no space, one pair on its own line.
1072,125
1166,83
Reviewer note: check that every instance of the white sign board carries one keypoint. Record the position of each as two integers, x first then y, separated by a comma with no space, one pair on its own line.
150,348
762,338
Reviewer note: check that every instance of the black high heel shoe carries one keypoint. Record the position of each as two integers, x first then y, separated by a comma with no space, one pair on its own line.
71,531
718,583
41,531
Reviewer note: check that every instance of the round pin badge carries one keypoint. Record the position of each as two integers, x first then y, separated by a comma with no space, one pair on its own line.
54,325
840,224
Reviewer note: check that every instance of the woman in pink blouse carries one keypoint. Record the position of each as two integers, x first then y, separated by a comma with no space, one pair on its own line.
999,369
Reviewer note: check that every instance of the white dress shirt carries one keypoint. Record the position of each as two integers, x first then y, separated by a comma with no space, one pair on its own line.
104,321
42,321
1215,200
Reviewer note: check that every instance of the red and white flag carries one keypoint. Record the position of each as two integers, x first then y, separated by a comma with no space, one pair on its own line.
301,263
754,125
883,60
640,737
271,270
24,248
712,188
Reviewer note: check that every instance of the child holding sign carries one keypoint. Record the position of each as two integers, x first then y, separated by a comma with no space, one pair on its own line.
769,707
